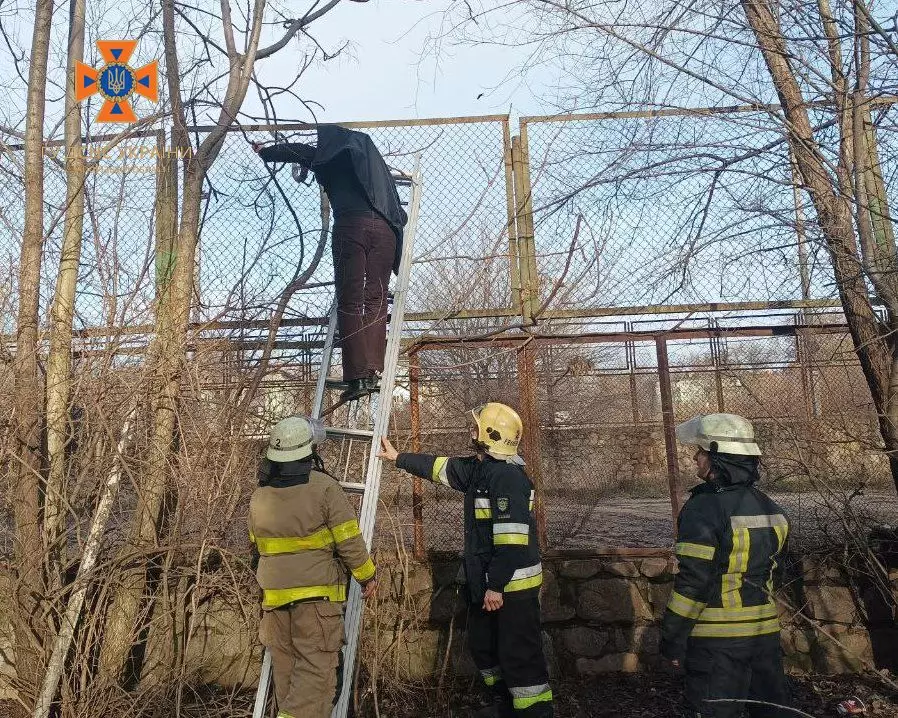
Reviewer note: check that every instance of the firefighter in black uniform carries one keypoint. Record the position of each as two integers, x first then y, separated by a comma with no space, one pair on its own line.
721,622
502,562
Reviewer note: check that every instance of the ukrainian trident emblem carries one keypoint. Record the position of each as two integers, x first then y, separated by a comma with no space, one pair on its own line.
117,81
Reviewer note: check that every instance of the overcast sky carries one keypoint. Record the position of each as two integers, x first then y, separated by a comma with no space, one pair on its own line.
383,73
388,69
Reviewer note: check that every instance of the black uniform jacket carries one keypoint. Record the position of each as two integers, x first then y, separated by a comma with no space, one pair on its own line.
501,550
353,173
730,548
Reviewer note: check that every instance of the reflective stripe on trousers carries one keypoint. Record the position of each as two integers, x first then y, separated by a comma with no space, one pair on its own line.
525,696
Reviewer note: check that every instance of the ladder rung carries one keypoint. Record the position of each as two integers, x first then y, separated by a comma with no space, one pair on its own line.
353,488
349,433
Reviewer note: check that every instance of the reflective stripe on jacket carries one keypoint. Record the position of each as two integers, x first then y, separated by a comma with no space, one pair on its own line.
501,549
731,543
307,536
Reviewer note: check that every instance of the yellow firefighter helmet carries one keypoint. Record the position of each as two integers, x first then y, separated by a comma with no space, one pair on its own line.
499,428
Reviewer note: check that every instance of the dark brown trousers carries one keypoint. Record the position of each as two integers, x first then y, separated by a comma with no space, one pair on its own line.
364,248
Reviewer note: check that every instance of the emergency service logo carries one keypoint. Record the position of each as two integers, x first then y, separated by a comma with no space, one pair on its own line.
116,81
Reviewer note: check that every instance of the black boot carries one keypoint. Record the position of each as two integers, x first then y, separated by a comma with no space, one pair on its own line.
496,705
355,389
372,384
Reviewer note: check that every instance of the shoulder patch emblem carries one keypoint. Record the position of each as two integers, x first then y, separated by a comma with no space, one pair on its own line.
502,503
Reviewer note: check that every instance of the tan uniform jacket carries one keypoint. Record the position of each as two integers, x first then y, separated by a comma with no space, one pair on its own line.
307,536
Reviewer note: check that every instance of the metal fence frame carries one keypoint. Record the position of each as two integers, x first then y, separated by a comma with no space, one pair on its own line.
525,344
524,313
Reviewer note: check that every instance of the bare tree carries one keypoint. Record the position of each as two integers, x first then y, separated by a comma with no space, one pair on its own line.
832,68
62,310
28,380
175,297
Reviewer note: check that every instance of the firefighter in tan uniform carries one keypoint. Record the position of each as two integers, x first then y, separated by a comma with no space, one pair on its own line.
307,538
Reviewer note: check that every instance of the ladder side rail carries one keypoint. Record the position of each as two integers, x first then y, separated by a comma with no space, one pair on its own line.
371,496
327,354
264,685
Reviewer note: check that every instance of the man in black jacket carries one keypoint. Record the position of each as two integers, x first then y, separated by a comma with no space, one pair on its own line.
721,622
366,243
502,562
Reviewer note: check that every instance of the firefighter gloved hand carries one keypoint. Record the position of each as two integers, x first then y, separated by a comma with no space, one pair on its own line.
369,589
492,601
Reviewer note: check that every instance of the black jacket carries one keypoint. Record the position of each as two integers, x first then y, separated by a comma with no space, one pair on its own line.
731,545
353,173
501,549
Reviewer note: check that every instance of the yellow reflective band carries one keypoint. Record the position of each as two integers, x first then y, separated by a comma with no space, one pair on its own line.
781,533
766,521
695,550
438,473
731,583
491,676
274,597
735,630
524,703
685,607
522,584
274,545
483,513
364,572
507,539
346,530
284,714
746,613
252,537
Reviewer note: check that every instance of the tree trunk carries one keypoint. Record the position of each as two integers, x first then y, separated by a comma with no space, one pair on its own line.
834,213
172,317
63,641
59,360
26,370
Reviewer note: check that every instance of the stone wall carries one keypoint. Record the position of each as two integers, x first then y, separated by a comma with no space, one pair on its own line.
600,615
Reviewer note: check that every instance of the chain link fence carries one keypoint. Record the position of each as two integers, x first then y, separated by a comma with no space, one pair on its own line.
680,207
607,480
691,209
116,282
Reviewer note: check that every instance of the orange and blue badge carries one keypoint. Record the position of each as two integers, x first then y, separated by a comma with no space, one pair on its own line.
117,81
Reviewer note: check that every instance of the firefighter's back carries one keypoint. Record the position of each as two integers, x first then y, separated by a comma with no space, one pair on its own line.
290,526
753,530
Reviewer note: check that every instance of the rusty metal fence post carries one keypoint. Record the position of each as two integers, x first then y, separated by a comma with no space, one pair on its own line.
668,421
414,375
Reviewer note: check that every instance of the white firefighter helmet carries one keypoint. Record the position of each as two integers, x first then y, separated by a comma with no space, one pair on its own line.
725,433
292,438
499,428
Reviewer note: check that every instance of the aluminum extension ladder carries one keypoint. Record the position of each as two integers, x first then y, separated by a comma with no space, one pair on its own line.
378,414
